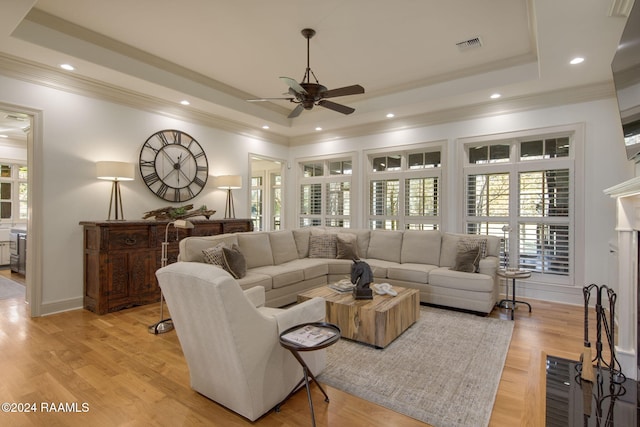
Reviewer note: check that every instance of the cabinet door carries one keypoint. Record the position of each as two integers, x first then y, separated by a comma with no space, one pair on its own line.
143,273
131,279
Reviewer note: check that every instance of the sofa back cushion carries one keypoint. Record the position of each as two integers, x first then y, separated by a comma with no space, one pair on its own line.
256,248
191,248
421,247
283,246
385,245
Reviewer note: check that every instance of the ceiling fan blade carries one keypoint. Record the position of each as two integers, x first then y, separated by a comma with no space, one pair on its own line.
269,99
296,112
343,91
336,107
293,84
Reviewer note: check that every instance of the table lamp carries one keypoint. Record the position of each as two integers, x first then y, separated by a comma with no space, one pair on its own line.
116,172
228,182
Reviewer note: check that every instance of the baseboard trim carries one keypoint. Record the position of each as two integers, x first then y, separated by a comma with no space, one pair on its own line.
553,293
48,308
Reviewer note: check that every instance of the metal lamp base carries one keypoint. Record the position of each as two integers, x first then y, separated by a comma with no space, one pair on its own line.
161,327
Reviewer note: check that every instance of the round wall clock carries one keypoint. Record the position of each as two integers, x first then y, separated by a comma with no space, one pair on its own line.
173,165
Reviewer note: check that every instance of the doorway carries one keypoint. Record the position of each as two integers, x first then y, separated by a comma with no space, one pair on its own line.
267,186
15,139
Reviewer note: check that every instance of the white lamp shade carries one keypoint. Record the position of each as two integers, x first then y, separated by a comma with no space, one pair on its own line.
115,171
228,182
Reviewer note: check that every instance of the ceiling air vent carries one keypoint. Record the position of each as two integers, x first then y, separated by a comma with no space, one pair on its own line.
473,43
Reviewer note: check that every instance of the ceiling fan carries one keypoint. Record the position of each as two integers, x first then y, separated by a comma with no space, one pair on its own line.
307,94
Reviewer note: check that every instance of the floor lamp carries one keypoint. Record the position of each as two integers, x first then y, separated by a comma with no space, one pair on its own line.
506,230
116,172
166,325
228,182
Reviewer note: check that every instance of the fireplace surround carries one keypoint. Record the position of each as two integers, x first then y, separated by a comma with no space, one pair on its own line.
627,196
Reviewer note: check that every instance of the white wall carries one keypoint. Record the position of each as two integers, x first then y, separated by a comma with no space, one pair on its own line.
604,165
78,131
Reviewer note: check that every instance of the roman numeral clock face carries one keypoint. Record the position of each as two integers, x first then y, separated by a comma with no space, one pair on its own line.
173,165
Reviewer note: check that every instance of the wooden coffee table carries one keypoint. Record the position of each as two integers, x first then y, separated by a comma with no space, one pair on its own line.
376,322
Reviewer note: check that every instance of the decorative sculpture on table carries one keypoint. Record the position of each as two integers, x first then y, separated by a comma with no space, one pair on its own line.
361,276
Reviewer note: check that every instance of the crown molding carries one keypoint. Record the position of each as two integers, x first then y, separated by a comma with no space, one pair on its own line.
46,76
574,95
50,77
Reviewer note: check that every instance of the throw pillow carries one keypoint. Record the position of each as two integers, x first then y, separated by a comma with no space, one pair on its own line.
469,252
214,255
322,246
234,261
346,246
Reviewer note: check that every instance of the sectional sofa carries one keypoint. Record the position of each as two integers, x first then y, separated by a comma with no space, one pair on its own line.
289,262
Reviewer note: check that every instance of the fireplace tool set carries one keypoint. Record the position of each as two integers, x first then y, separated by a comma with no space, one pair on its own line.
590,376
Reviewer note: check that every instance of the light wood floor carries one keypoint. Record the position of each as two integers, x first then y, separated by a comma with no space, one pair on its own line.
129,377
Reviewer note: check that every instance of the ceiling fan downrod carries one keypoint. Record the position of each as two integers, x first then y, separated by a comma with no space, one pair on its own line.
308,33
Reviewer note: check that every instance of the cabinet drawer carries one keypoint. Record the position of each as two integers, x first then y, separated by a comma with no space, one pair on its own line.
131,238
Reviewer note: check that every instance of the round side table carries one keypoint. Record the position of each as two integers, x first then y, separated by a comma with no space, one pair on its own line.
513,275
310,337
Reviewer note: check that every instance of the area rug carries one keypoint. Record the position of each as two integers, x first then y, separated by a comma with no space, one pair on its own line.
444,370
10,289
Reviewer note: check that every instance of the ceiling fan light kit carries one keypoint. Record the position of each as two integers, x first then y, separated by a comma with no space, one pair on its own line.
307,94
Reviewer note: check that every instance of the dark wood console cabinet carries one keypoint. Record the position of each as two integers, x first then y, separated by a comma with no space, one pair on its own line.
121,258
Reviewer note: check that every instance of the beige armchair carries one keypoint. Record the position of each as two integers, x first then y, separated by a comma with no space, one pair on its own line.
231,341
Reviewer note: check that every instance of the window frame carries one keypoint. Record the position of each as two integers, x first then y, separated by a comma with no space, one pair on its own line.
15,200
573,162
324,218
402,220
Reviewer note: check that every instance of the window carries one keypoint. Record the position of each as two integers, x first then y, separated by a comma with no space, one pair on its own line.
525,186
13,192
276,200
404,190
256,203
325,193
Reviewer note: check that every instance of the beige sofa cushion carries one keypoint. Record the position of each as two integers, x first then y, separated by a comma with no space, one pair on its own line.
301,237
283,246
385,245
408,272
421,247
256,248
448,278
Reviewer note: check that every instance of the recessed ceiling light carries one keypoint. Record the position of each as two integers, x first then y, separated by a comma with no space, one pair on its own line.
4,136
265,127
67,67
185,102
576,60
495,96
318,128
390,115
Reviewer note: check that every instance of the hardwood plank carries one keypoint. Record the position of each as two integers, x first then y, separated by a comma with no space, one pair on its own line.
130,377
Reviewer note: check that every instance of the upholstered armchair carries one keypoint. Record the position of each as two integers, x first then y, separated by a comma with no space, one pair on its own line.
231,341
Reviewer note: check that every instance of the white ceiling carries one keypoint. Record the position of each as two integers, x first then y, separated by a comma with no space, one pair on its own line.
218,53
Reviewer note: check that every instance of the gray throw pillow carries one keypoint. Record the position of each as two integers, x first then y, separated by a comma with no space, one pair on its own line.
322,246
234,261
467,259
346,246
214,256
